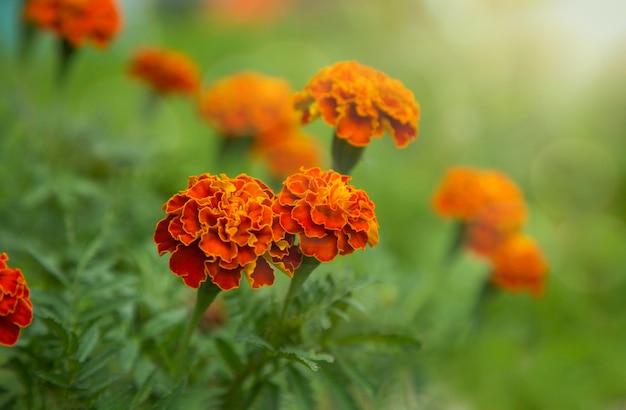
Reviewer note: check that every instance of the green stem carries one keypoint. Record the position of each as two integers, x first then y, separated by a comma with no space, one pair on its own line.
344,155
299,277
66,54
207,292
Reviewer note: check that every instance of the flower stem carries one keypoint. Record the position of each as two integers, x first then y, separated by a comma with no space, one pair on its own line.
299,277
207,293
66,54
344,155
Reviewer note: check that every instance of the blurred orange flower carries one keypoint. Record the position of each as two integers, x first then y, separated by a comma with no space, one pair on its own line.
247,103
329,216
361,103
221,226
465,191
16,309
166,71
493,224
246,11
77,21
519,265
287,149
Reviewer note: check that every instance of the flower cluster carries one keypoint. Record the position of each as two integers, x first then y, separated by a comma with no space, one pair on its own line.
16,309
361,103
492,210
220,227
329,216
166,71
77,21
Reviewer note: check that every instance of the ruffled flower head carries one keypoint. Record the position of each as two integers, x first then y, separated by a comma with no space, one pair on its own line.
519,265
246,104
166,71
77,21
329,216
465,192
361,103
16,309
219,227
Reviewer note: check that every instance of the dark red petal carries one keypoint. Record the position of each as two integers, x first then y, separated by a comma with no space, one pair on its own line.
225,279
9,332
163,238
262,275
188,263
23,314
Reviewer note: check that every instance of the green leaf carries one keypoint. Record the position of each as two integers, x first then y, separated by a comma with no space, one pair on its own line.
300,387
100,310
112,285
163,322
49,265
381,338
254,340
97,363
86,343
129,354
338,388
307,358
228,354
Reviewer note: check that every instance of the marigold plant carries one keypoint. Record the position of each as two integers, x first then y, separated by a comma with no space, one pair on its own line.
16,309
493,224
166,71
247,103
361,103
219,227
519,265
465,192
77,21
329,216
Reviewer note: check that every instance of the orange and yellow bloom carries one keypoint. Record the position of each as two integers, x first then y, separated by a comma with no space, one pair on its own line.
492,211
16,309
219,227
246,104
166,71
361,103
329,216
77,21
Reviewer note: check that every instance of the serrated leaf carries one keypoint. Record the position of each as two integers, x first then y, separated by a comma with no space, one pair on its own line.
229,355
86,343
307,358
163,322
300,387
253,340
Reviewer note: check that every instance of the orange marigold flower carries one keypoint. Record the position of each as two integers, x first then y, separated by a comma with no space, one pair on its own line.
77,21
492,225
247,103
518,265
166,71
361,103
16,309
288,149
330,216
465,191
221,226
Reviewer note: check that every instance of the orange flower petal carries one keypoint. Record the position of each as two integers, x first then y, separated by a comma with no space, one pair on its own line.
323,249
188,263
260,274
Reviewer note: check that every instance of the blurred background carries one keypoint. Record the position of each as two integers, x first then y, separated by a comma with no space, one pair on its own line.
536,89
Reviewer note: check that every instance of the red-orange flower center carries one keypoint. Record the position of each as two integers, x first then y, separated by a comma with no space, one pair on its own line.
220,227
16,309
361,103
77,21
329,216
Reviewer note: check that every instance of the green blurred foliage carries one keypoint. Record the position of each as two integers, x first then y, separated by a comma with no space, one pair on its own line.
518,86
